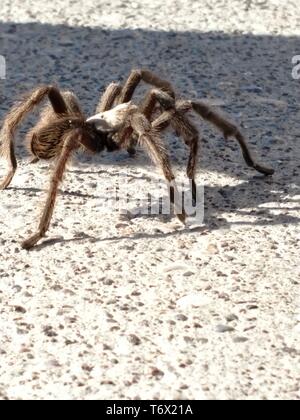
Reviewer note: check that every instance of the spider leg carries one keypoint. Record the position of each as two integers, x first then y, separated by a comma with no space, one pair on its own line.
153,97
179,121
16,116
72,103
190,135
136,76
149,104
9,153
229,130
71,141
148,137
174,115
108,98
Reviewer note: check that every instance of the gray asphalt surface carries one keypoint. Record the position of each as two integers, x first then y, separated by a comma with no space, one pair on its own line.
141,308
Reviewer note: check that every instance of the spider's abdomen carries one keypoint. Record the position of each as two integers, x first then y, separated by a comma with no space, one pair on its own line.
45,146
46,143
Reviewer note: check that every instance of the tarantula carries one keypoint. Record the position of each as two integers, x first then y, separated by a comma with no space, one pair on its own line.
118,124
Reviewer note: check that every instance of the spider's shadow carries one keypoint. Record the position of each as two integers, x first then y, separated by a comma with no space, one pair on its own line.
36,191
219,203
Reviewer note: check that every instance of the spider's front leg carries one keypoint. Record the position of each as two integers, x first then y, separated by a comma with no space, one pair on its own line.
184,127
174,115
71,142
153,97
153,144
136,76
108,98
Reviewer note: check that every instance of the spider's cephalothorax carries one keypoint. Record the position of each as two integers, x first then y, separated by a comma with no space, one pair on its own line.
118,124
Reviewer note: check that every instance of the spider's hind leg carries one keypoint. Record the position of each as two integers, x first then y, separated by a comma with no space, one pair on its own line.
9,153
230,130
16,116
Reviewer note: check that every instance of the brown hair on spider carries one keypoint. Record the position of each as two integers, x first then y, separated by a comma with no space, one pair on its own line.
118,124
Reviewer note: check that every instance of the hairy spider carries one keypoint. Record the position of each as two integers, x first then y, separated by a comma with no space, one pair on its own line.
118,124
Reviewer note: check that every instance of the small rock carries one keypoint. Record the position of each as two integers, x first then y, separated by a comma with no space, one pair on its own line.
134,339
188,274
181,317
240,339
20,310
157,373
252,307
224,328
49,332
53,363
224,296
108,282
87,368
221,274
231,318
